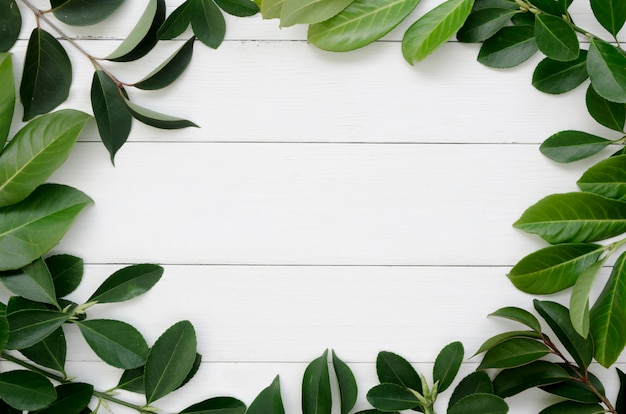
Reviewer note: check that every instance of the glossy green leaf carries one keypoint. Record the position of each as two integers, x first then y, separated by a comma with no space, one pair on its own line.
608,316
310,11
524,19
519,315
207,22
514,352
177,22
34,282
434,28
270,9
348,389
494,4
155,119
169,70
579,300
17,303
497,339
392,397
610,114
7,409
574,218
574,389
480,403
47,75
36,151
50,352
127,283
573,407
394,369
508,48
239,8
269,401
66,271
556,38
605,65
555,7
72,398
10,24
553,268
170,360
84,12
217,405
359,24
132,380
143,37
115,342
484,23
570,146
27,327
447,365
4,332
7,98
611,14
113,118
25,390
33,226
620,403
316,394
512,381
554,77
477,382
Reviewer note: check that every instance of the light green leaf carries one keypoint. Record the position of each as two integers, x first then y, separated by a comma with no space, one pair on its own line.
27,327
610,114
508,48
556,38
310,11
207,22
606,178
217,405
359,24
579,300
447,365
497,339
392,368
50,352
573,407
605,65
239,8
477,382
518,315
348,390
269,401
177,22
512,381
434,28
514,352
168,71
484,23
66,272
156,119
392,397
611,14
7,98
10,24
34,282
115,342
270,9
84,12
127,283
480,403
552,76
316,394
26,390
570,146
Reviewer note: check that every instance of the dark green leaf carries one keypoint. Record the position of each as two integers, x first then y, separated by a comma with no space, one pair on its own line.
475,383
494,4
605,65
127,283
574,389
217,405
116,343
268,401
169,70
556,38
113,118
143,37
552,76
394,369
66,271
7,98
239,8
33,226
359,24
170,360
27,327
316,394
524,19
132,380
480,404
72,398
434,28
570,146
17,303
34,283
310,11
611,14
555,7
519,315
156,119
482,24
508,48
573,407
177,22
497,339
4,332
512,381
374,411
7,409
610,114
84,12
10,24
392,397
447,365
620,404
207,22
348,390
514,352
49,352
579,299
25,390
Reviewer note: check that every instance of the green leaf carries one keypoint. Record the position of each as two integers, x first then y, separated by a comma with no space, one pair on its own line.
477,382
316,394
268,401
10,24
84,12
519,315
270,9
359,24
555,7
553,268
217,405
143,37
573,407
556,38
66,271
34,282
156,119
310,11
348,389
508,48
394,369
514,352
512,381
447,365
576,390
497,339
170,70
554,77
177,22
605,65
611,14
17,303
132,380
113,118
608,316
33,226
392,397
480,403
620,404
239,8
27,327
579,300
25,390
494,4
36,151
484,23
207,22
570,146
4,332
47,75
50,352
72,398
434,28
574,218
127,283
610,114
115,342
525,19
7,98
170,360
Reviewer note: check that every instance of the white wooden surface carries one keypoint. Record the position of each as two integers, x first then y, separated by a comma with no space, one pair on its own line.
346,201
